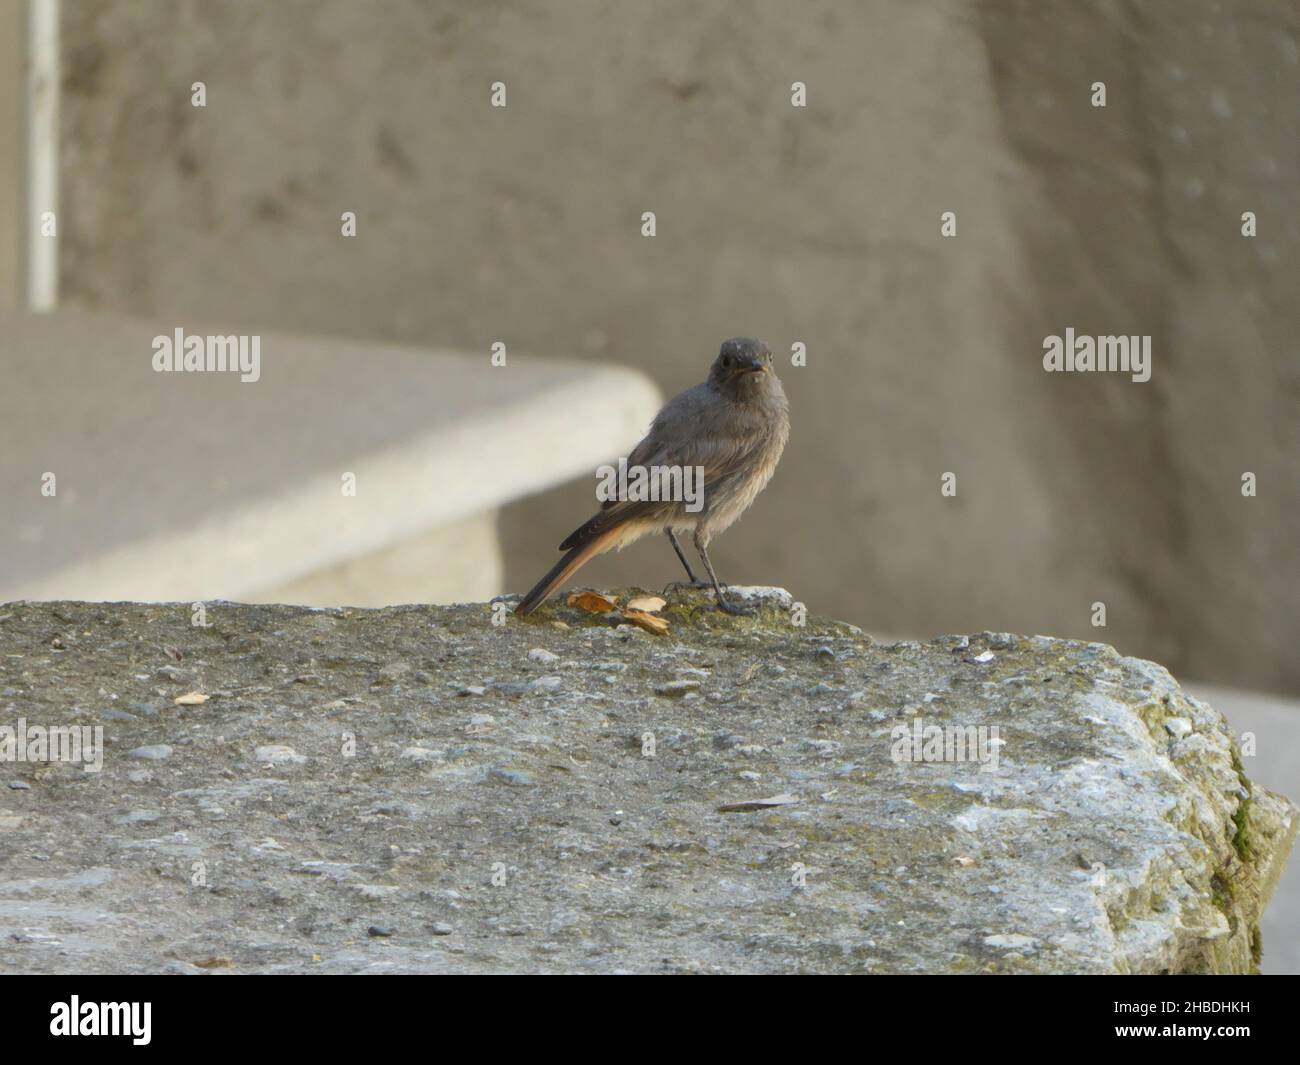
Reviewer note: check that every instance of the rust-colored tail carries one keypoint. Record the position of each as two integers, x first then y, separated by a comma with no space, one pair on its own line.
567,566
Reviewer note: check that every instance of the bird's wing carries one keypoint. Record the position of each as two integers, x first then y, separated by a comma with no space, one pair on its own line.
718,456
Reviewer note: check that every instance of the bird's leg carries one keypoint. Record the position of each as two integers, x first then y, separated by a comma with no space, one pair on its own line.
672,539
723,605
694,581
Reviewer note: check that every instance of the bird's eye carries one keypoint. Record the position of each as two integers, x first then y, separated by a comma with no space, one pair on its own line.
726,361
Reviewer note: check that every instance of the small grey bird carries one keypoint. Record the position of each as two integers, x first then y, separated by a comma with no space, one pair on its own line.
733,427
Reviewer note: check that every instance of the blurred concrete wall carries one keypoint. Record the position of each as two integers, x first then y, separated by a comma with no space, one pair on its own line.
818,225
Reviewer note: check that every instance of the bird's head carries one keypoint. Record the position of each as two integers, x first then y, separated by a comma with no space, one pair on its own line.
743,368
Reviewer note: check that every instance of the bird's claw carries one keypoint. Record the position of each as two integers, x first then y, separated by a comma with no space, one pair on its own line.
677,586
733,609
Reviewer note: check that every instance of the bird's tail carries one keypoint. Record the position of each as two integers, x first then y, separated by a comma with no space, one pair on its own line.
567,566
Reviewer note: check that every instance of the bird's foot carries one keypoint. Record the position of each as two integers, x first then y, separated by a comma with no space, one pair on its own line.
677,586
735,609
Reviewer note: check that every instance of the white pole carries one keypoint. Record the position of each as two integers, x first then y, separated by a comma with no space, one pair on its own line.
41,200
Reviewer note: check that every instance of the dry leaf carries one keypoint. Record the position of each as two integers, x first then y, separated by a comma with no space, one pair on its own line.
172,653
964,860
191,699
592,602
649,622
651,604
784,799
213,963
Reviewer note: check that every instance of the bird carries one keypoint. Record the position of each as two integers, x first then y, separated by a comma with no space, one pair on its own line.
732,428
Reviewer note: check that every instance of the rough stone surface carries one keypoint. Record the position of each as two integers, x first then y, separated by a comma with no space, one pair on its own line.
439,810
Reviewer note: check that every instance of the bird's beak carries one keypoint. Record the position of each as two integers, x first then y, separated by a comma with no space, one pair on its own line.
752,366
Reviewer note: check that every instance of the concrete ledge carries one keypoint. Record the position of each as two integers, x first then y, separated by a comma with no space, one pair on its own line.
456,563
198,486
420,789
